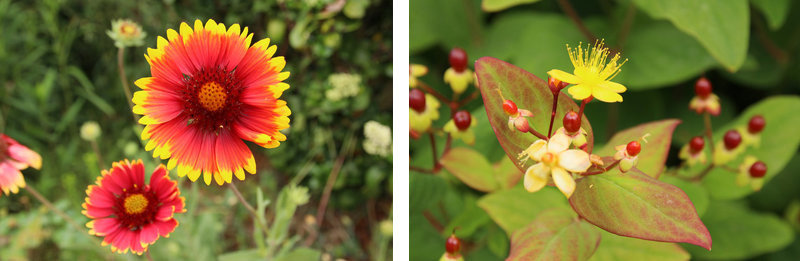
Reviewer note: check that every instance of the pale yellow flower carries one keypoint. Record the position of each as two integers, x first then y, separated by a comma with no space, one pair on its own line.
414,71
555,162
421,122
467,135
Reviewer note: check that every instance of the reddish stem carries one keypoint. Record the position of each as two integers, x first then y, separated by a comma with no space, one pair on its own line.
431,219
537,134
567,7
553,113
436,165
418,169
436,94
602,170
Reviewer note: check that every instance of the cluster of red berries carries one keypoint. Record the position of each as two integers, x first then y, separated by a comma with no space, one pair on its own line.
733,138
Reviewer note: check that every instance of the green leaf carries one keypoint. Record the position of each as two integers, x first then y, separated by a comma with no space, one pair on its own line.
779,142
449,23
696,193
721,26
247,254
654,152
301,253
470,167
740,233
500,5
775,11
424,191
633,204
613,247
528,92
506,173
470,219
556,234
660,55
513,209
528,50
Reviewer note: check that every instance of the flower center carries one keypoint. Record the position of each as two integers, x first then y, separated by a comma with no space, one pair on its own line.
549,158
127,29
212,96
135,203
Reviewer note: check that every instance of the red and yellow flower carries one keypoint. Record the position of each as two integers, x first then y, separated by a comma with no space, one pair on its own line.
13,158
210,90
129,213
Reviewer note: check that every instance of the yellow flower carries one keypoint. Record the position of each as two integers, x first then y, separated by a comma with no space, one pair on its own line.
743,178
414,71
467,135
555,160
458,80
421,122
578,138
689,157
592,75
709,104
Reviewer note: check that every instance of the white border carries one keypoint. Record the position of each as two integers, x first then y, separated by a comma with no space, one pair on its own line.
400,52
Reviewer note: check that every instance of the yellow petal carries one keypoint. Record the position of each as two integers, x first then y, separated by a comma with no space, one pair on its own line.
535,177
580,91
574,160
564,76
563,181
606,95
612,86
558,143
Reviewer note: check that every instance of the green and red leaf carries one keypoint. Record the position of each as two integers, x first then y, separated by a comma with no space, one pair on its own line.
556,234
470,167
654,152
528,92
634,204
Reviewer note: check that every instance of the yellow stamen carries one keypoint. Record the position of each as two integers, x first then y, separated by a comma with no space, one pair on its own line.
135,204
212,96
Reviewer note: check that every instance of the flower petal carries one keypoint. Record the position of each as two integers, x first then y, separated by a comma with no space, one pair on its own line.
558,143
564,181
574,160
580,91
536,177
606,95
564,76
612,86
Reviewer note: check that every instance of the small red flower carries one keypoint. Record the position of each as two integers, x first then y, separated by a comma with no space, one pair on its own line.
129,213
13,158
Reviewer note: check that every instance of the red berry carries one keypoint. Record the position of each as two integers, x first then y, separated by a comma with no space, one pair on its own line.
462,119
732,139
702,87
572,123
453,244
696,144
756,124
759,169
634,147
416,100
510,107
458,59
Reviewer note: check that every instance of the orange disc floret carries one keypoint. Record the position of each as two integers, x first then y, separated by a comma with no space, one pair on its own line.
128,213
209,91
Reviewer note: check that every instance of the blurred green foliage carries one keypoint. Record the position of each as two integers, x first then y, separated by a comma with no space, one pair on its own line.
747,49
59,72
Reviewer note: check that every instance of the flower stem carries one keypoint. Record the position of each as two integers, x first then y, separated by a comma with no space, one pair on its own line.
436,94
703,173
248,207
436,165
567,7
537,134
553,114
707,121
602,170
100,162
630,15
53,208
147,253
124,79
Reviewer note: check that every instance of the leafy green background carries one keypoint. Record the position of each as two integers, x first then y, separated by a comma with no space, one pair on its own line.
747,49
59,71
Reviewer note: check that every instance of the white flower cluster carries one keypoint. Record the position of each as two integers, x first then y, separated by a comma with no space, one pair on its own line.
379,138
344,85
